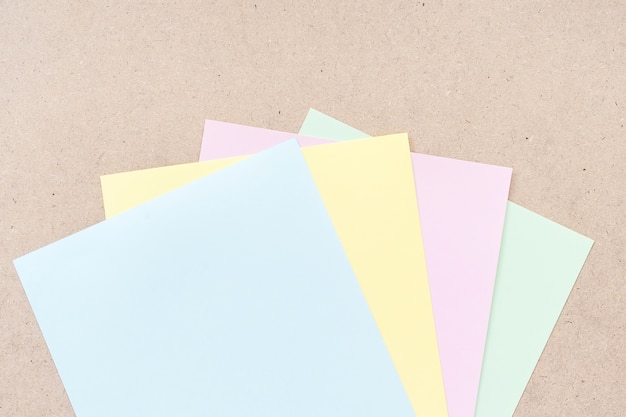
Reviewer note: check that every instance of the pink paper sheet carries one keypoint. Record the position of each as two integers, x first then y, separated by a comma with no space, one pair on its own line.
462,206
224,140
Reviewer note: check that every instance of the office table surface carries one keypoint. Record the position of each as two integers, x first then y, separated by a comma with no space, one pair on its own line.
92,89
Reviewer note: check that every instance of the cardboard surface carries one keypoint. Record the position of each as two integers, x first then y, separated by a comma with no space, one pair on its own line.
367,186
153,313
462,207
108,87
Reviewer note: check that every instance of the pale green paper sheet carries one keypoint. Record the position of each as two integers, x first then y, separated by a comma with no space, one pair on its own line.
319,125
538,266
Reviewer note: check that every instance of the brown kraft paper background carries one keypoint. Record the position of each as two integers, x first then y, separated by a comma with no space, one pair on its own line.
98,87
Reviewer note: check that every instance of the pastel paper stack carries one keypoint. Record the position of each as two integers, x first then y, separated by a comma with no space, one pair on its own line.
352,278
462,206
368,189
539,263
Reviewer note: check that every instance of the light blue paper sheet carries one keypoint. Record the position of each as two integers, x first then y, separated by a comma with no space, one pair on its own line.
212,301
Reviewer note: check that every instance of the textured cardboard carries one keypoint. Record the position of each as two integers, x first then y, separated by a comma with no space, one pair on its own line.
92,89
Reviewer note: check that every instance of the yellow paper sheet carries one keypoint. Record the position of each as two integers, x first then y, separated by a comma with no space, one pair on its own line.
369,191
